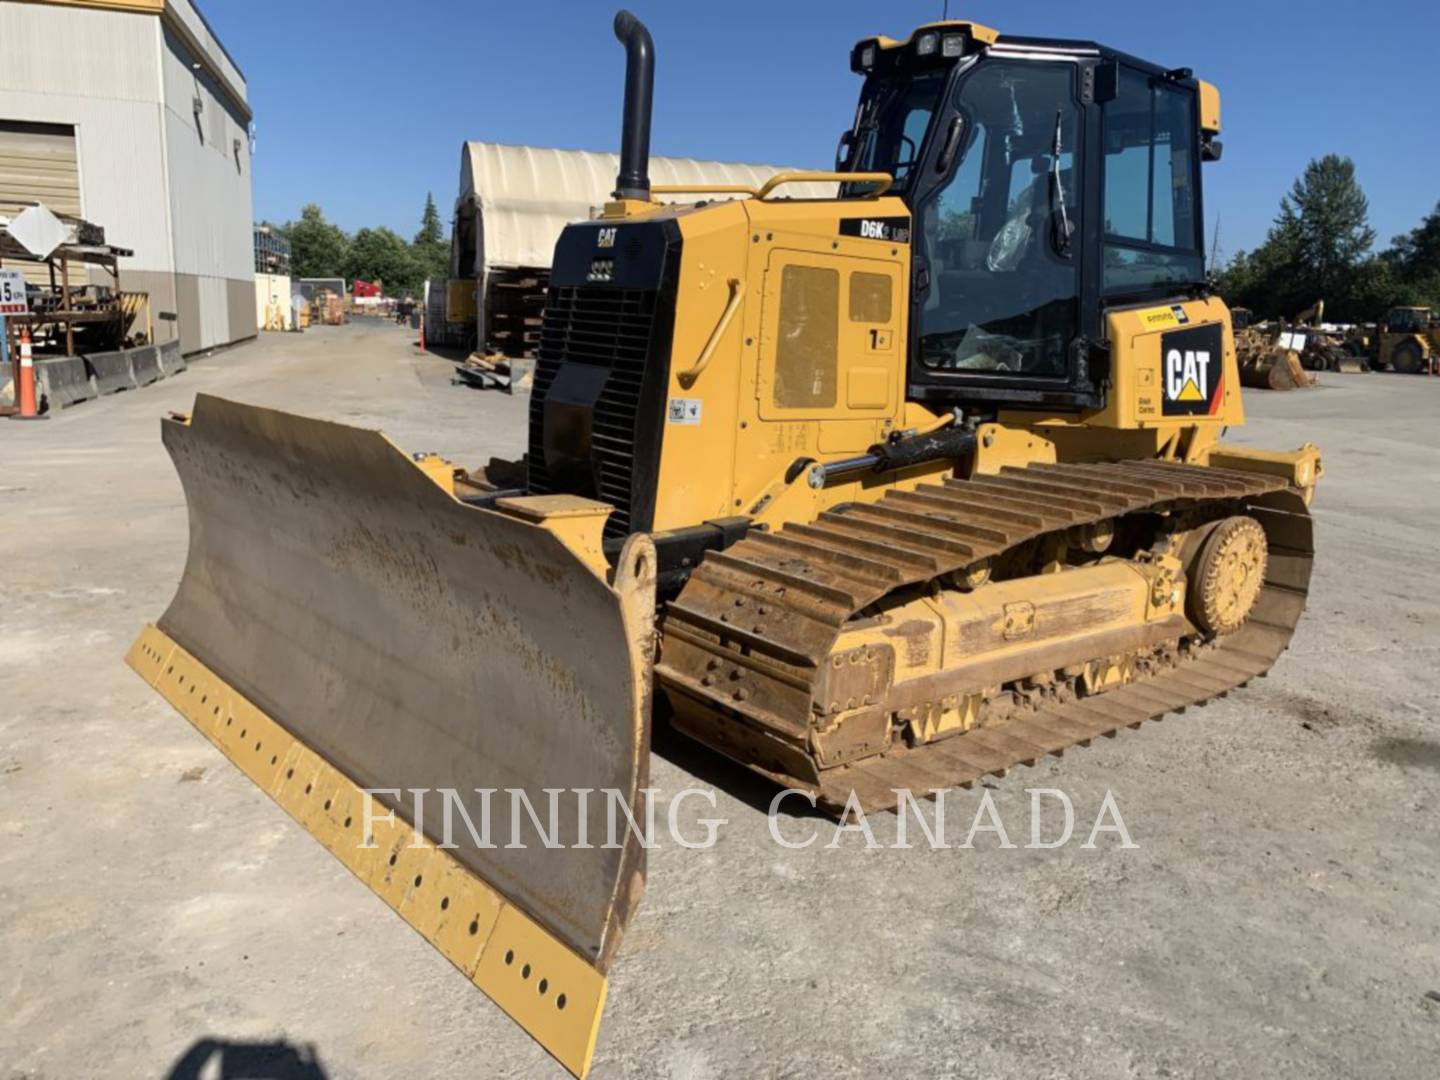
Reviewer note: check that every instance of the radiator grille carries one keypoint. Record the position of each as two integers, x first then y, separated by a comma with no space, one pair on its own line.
603,327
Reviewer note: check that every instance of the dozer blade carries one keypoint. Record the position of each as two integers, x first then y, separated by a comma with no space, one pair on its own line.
344,623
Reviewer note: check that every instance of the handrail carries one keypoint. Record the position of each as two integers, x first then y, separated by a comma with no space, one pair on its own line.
883,180
737,290
702,189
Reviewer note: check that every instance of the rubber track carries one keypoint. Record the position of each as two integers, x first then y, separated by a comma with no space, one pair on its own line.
777,603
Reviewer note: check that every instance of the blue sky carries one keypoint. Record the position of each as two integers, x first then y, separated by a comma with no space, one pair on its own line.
362,107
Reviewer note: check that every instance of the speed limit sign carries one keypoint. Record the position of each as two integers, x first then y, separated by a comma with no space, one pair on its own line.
13,300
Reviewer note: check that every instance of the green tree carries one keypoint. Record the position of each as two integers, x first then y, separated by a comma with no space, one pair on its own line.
1262,280
1330,215
1376,288
1236,281
317,248
1317,249
1414,259
1325,230
1417,253
431,248
383,255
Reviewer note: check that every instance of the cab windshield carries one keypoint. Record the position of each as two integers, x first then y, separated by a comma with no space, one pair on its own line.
890,127
1408,320
998,239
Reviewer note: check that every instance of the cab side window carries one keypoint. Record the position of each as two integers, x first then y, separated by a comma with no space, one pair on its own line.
1152,234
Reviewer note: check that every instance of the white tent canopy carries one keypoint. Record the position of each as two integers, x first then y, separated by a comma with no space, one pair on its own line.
525,195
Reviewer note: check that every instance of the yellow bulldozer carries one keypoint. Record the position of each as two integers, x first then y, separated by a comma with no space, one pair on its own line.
886,491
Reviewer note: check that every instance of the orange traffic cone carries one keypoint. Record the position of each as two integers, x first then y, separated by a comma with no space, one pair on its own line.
25,381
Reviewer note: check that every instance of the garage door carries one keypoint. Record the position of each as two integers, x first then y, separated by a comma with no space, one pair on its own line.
38,164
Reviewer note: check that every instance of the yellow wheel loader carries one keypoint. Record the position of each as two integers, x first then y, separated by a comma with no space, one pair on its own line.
1407,341
892,490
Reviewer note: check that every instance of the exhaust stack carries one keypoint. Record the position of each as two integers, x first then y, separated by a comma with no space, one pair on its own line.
633,180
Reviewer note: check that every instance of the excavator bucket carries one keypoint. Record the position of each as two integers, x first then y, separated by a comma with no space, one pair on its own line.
349,632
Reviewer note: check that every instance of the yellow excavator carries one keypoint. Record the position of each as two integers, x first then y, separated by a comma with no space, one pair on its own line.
891,490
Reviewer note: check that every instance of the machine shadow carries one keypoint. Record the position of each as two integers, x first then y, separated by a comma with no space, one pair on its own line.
718,771
224,1059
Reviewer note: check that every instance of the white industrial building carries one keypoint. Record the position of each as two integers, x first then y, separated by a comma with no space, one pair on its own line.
131,114
513,203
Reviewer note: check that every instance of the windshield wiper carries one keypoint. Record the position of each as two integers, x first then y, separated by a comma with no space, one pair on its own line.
1057,187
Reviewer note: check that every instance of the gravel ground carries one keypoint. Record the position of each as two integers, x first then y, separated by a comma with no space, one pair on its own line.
1278,914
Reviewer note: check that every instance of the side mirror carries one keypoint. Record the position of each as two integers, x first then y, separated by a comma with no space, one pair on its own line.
844,150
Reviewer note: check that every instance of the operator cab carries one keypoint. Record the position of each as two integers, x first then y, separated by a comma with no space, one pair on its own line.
1407,320
1047,180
